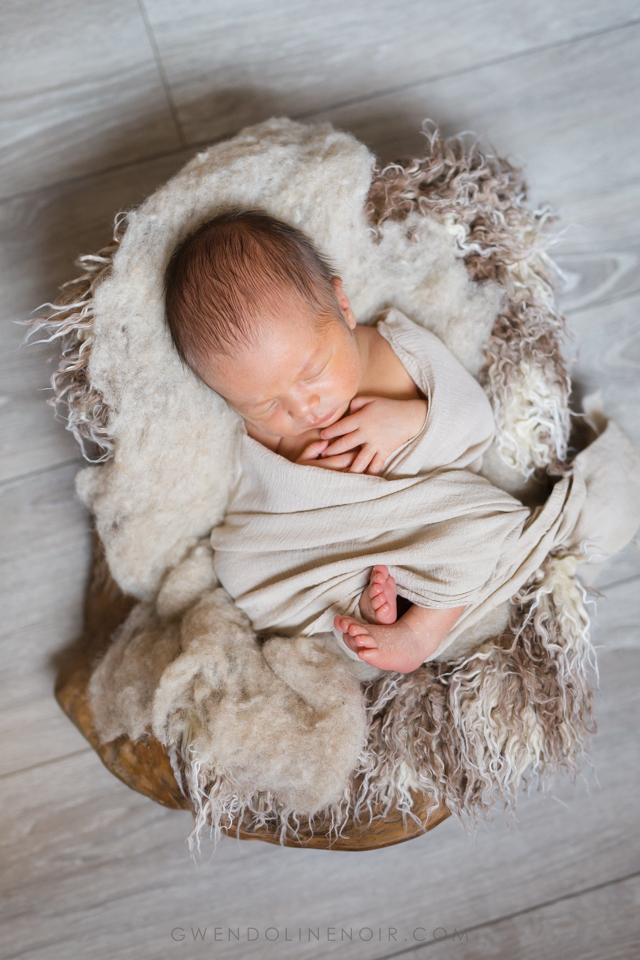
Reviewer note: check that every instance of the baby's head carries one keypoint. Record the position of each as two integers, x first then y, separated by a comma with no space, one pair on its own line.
256,313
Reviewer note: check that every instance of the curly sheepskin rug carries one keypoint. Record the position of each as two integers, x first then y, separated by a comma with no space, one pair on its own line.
285,729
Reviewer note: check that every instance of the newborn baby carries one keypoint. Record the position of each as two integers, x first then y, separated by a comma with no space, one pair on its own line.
259,316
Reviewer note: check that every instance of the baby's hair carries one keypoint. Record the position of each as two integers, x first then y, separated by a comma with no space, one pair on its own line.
222,276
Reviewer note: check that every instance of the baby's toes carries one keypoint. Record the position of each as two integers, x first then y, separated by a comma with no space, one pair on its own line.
350,642
362,640
372,656
364,644
378,602
347,625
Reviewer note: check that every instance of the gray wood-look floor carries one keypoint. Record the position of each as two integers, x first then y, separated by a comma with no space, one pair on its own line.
100,102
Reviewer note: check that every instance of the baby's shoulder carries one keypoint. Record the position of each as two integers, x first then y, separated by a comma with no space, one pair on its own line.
436,370
420,351
418,347
399,329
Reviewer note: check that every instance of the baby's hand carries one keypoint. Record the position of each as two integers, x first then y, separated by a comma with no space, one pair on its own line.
374,428
311,455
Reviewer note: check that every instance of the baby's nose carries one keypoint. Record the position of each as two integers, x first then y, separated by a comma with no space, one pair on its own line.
307,405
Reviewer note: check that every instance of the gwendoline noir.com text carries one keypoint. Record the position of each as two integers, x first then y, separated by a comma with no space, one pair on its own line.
418,934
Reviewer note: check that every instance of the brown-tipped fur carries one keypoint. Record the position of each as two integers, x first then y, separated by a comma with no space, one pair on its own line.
503,240
70,320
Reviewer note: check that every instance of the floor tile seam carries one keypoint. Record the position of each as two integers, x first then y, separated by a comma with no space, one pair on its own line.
6,481
96,174
574,895
210,141
94,81
162,74
45,763
481,65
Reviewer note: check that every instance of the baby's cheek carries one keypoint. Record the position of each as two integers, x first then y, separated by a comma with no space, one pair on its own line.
283,426
341,387
268,425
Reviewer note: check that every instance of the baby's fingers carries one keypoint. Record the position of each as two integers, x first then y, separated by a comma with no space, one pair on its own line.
340,427
363,459
342,444
359,402
376,464
341,462
313,451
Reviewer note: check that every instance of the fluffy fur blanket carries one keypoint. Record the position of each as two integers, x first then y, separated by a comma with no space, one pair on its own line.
283,728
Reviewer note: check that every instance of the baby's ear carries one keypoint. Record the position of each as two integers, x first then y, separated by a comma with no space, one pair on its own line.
343,300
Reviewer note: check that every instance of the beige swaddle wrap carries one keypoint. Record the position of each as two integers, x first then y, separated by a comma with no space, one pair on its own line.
298,542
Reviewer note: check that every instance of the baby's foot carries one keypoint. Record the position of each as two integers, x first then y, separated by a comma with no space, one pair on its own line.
389,647
378,601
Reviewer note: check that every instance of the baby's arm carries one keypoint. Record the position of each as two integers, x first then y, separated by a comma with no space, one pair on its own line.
377,426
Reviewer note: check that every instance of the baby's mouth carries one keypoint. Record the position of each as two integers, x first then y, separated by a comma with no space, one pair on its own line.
321,421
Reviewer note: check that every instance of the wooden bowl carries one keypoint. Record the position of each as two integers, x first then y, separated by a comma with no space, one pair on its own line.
143,764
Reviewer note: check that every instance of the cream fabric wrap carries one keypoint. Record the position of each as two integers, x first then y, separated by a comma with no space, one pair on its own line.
298,542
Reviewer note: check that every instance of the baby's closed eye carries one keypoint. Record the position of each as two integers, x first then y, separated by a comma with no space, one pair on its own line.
262,410
314,376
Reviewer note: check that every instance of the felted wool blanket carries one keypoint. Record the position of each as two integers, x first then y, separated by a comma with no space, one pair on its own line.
298,542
